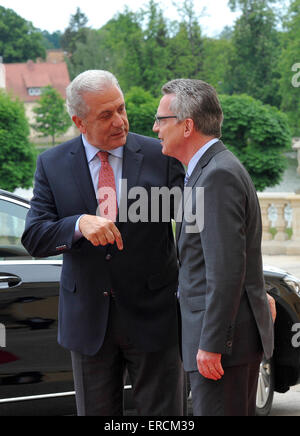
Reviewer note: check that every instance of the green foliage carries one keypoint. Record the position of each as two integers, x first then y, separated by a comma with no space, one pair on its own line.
216,62
144,48
141,108
19,40
51,114
256,52
17,154
258,135
52,40
290,102
75,32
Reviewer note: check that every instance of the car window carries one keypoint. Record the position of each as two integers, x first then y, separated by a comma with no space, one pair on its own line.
12,223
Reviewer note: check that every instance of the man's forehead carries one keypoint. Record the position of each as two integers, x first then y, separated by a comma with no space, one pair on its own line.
165,102
112,96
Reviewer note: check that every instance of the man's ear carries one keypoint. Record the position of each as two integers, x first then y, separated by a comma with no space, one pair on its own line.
188,127
79,123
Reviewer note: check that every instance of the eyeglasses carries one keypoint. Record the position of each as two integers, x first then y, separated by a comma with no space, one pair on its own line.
158,119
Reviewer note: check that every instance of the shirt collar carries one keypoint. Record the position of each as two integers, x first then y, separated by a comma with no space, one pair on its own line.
197,156
91,150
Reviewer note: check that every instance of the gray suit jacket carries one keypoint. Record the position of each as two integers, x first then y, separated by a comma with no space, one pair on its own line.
223,301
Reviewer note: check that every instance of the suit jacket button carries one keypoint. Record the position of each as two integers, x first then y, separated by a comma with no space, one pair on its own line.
108,257
229,344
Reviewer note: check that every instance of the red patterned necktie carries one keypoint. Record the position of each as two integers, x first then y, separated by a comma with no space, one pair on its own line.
107,193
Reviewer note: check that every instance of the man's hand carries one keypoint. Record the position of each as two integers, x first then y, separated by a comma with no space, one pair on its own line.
100,231
272,304
209,365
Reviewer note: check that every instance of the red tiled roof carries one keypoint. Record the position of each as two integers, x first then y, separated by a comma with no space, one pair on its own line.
20,77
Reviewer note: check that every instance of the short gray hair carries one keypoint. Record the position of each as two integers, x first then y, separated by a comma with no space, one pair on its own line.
197,100
91,81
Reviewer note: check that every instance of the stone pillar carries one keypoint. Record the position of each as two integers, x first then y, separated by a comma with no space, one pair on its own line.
266,236
296,146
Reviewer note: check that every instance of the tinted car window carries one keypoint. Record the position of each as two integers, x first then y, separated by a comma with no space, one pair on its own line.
12,223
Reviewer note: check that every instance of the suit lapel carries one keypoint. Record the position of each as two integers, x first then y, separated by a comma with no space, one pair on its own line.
82,176
203,161
132,162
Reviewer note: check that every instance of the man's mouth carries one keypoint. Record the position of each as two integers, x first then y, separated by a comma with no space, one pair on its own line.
121,133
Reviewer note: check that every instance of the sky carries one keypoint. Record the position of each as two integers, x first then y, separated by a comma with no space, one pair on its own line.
55,14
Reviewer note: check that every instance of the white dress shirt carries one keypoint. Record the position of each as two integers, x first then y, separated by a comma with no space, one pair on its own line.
197,156
116,161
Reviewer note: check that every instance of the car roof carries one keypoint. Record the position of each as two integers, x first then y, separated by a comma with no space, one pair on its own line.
13,196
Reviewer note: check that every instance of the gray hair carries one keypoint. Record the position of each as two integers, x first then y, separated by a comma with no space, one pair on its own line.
197,100
92,81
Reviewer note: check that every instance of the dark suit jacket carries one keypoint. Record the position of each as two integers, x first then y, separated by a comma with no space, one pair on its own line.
143,276
222,296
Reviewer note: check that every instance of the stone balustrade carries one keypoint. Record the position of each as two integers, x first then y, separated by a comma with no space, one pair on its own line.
281,223
296,147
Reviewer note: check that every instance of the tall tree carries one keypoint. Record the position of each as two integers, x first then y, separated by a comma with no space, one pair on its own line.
256,51
51,118
216,62
19,40
75,32
186,45
154,49
17,154
290,66
52,40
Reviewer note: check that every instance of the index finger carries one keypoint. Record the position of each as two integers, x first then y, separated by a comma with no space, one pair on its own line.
118,237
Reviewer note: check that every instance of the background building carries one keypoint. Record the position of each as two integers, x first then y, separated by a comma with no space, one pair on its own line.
26,80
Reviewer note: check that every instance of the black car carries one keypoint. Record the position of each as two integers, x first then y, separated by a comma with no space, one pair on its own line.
35,372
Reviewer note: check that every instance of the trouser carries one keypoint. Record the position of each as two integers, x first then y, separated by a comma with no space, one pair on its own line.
233,395
156,378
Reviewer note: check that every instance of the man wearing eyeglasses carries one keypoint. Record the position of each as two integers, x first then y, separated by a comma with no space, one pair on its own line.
226,319
118,293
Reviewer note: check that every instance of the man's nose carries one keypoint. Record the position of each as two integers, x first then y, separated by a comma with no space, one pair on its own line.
155,127
118,120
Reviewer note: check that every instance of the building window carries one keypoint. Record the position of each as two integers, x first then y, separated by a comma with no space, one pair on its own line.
34,92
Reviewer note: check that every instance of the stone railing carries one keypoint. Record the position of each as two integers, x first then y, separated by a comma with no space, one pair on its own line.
296,147
281,223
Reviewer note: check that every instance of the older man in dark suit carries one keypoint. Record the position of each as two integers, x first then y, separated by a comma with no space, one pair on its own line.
226,319
118,303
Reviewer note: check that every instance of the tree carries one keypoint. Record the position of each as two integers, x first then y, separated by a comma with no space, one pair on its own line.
256,51
141,108
258,135
155,60
186,45
216,62
17,154
51,114
75,32
52,40
19,40
89,55
289,66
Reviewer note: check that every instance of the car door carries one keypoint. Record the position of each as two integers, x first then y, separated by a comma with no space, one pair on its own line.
33,367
